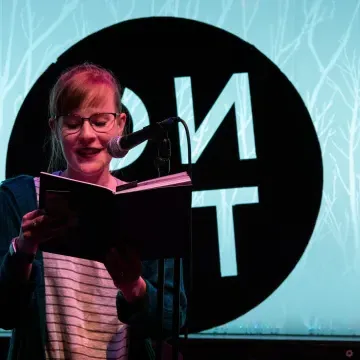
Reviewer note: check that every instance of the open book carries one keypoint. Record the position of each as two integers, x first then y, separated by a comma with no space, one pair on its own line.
152,216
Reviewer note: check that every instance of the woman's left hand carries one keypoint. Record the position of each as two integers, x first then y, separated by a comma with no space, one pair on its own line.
125,270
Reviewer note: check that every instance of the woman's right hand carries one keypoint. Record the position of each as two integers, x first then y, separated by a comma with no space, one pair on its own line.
38,227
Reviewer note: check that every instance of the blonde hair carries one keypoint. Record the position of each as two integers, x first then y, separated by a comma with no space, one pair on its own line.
83,85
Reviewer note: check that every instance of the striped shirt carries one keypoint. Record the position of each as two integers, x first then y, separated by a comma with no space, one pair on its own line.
81,314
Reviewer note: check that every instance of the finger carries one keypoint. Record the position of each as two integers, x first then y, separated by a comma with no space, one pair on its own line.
35,222
30,224
44,227
120,259
121,269
45,221
127,253
132,256
33,214
113,259
114,263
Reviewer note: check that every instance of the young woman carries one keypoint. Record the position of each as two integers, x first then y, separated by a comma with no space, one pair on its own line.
62,307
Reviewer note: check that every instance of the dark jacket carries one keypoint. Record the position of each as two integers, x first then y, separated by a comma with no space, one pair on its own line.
22,303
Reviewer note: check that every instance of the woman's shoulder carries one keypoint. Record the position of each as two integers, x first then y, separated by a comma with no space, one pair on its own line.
16,181
18,191
18,187
23,178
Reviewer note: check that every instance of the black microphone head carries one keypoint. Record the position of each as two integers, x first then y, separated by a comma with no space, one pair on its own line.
114,148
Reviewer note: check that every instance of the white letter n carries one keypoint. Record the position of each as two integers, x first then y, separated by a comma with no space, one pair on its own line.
236,92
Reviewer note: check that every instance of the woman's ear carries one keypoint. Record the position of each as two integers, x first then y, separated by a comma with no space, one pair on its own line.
121,123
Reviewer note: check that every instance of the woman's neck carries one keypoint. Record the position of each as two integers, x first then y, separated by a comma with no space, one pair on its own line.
104,178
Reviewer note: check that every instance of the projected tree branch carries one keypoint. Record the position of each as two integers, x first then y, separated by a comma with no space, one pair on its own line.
344,159
343,225
117,11
23,69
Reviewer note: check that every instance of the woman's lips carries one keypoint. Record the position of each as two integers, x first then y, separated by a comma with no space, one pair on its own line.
88,153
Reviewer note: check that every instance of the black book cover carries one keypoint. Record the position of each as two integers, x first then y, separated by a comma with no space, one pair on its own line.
152,216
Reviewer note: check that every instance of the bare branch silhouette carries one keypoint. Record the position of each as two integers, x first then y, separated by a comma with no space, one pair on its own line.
66,10
317,17
23,70
116,9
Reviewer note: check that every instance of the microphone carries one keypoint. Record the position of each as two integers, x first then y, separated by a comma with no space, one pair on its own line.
119,146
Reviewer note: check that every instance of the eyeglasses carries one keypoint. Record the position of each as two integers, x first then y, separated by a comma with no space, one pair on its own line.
100,122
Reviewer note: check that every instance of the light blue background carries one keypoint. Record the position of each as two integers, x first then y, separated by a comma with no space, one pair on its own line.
316,44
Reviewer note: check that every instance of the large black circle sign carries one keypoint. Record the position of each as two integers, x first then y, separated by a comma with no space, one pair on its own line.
270,235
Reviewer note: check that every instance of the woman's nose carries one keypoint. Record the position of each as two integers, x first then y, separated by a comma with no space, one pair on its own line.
86,130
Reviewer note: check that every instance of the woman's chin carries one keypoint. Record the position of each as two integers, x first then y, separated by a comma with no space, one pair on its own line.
88,169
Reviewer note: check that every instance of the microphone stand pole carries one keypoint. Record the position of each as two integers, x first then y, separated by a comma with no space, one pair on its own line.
162,163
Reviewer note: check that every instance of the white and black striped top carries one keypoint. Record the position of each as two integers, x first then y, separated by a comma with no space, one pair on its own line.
81,314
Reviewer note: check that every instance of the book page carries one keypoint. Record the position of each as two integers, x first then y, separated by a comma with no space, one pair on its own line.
63,178
178,179
63,183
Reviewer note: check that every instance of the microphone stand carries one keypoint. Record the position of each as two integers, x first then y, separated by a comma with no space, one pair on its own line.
158,133
162,163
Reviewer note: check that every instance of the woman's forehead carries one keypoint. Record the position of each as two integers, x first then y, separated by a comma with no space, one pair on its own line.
95,99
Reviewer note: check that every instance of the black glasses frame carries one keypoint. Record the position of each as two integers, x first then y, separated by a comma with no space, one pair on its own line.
82,119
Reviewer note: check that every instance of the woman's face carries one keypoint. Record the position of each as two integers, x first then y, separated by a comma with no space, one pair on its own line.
85,150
